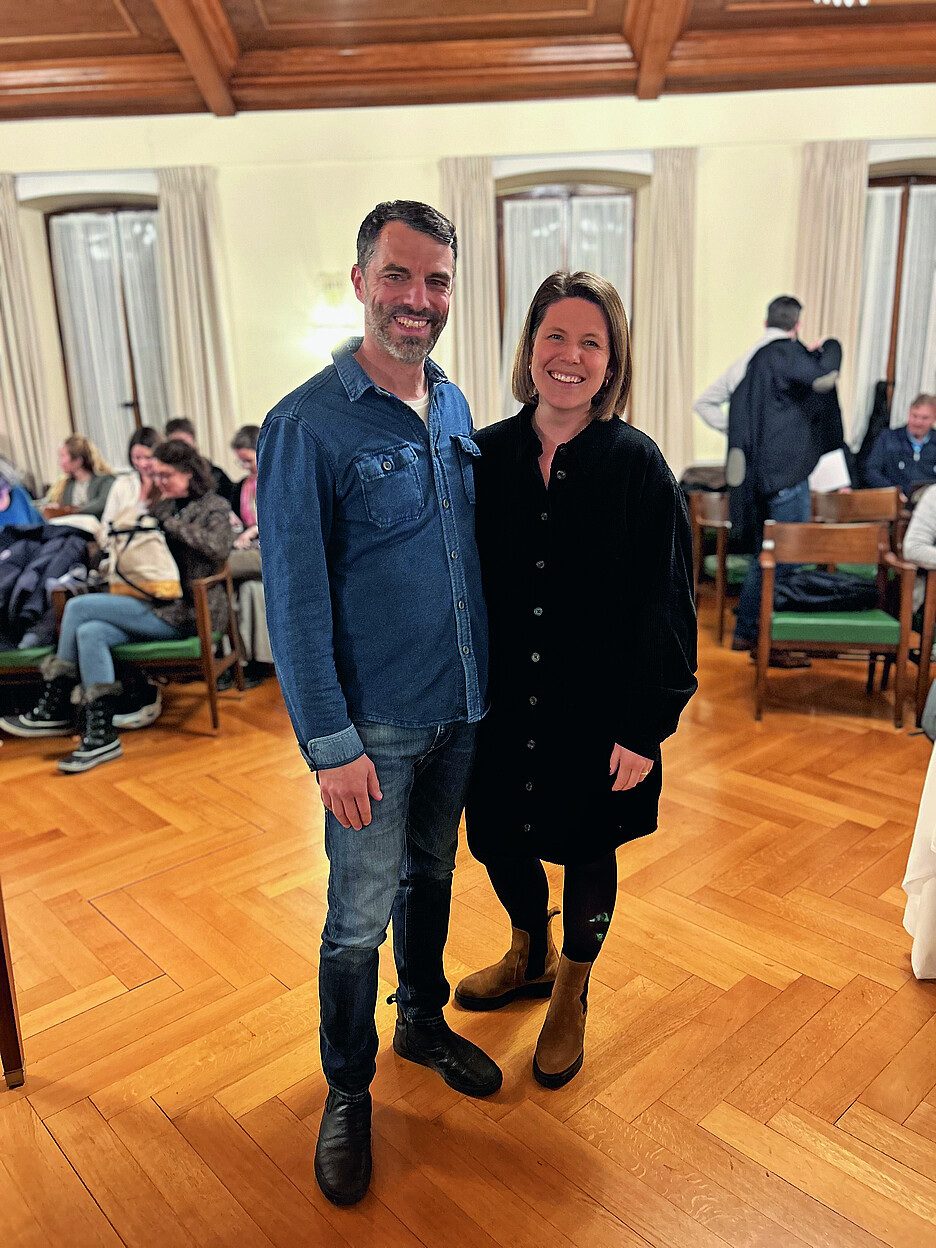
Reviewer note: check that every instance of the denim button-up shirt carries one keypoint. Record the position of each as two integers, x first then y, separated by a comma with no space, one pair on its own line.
370,569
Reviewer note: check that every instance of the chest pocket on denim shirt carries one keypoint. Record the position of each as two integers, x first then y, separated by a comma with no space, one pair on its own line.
467,451
390,481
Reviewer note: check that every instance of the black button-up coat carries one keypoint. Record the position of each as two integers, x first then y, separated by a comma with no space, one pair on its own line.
592,637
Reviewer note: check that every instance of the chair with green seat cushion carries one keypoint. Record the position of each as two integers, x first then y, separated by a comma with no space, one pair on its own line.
736,567
834,634
192,657
709,510
23,660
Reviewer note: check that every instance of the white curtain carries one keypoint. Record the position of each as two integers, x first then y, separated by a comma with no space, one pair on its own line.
468,199
194,329
601,240
534,247
830,236
916,340
86,267
663,330
138,235
879,274
22,387
104,266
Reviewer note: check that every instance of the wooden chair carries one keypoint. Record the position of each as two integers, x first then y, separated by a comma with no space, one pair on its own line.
192,657
858,507
833,634
709,510
11,1039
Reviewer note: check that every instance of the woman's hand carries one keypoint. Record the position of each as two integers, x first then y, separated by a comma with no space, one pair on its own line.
630,768
244,540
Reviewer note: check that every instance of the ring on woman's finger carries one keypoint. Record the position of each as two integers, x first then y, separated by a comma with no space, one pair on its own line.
645,773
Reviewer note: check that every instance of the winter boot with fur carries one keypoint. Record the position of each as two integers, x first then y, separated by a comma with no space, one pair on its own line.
506,980
99,740
53,715
560,1049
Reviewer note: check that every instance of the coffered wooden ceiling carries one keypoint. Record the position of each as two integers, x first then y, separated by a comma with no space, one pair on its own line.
66,58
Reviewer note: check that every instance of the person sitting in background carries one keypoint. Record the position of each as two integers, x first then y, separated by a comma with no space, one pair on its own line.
15,504
137,487
906,456
919,544
245,564
181,429
85,482
198,533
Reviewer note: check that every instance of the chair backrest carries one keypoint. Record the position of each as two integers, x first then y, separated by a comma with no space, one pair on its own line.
858,506
709,509
826,543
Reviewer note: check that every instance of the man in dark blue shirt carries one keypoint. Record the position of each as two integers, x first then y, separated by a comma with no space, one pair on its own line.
907,455
378,627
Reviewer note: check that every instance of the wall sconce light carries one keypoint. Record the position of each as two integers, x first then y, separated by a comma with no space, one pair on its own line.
335,315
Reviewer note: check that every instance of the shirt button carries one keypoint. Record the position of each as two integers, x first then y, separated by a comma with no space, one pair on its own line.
454,554
461,606
445,503
529,786
526,827
560,475
544,515
386,465
533,701
535,656
531,745
541,563
466,649
537,610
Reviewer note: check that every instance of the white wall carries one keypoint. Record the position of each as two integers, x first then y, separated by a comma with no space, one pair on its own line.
294,187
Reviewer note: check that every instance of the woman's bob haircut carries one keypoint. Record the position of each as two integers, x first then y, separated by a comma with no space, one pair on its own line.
611,399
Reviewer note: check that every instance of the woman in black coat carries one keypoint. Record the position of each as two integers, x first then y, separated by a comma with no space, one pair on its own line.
585,555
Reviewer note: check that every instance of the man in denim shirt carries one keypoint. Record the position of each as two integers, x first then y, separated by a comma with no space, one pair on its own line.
365,501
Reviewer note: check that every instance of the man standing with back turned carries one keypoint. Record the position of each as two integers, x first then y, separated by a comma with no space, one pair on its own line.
379,633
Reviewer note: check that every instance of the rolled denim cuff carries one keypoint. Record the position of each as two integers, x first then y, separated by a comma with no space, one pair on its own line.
334,750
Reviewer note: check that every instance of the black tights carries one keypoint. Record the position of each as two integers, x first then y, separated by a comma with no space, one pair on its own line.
589,891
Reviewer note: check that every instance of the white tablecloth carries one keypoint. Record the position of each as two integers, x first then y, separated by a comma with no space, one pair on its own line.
920,882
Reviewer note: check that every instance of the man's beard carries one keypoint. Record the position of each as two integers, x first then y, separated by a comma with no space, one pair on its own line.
380,322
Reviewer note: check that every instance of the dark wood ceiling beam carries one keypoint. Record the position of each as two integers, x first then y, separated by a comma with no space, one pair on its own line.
121,85
208,59
778,56
658,25
445,71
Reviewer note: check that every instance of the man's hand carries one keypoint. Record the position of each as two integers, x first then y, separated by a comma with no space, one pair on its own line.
347,790
630,768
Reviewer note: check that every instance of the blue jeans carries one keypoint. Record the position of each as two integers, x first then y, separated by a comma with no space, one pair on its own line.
92,623
399,866
791,505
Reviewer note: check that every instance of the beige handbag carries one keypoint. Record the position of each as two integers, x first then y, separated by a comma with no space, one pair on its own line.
141,563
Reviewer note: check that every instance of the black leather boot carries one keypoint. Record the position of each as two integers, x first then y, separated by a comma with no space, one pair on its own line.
343,1152
461,1064
99,740
53,715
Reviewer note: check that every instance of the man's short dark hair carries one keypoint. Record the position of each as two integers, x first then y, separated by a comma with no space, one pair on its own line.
783,312
181,424
412,213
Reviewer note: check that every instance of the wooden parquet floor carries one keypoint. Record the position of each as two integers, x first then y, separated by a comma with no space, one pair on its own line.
760,1066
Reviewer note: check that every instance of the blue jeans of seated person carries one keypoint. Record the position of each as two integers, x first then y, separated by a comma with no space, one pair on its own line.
92,623
399,866
792,506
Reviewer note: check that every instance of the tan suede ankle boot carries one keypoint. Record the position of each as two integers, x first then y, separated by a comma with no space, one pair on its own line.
506,980
560,1049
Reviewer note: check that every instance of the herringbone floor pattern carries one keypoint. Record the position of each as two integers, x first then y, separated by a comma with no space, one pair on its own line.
760,1068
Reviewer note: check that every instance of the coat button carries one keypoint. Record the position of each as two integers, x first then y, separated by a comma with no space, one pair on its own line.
454,554
531,745
535,656
537,610
387,465
526,827
560,475
461,606
544,515
445,503
541,563
533,701
466,649
529,786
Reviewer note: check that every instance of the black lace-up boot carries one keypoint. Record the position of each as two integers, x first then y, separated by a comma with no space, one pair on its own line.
53,715
99,740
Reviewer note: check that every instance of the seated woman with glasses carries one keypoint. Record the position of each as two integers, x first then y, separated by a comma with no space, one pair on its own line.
197,526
